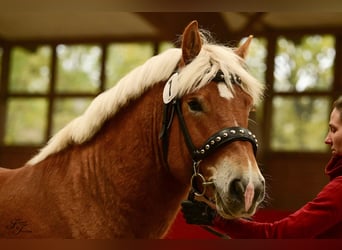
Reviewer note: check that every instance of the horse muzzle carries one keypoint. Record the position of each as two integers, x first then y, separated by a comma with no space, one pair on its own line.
241,200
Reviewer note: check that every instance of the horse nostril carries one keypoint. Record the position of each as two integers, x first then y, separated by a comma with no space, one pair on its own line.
246,193
236,188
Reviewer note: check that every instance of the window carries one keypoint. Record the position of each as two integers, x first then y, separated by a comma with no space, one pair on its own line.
27,104
164,46
77,82
304,65
298,123
123,57
299,95
66,109
26,121
78,68
256,62
49,85
256,58
303,80
30,70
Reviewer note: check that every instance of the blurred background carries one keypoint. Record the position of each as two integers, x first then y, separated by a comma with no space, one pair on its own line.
53,63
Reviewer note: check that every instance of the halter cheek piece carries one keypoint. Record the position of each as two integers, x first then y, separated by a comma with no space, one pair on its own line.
222,137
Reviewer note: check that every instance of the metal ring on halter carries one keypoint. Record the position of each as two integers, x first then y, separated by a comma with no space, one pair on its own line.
204,184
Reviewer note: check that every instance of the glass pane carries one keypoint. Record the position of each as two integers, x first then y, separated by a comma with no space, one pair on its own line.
66,109
256,58
123,57
165,45
304,65
256,63
30,69
299,124
78,69
26,121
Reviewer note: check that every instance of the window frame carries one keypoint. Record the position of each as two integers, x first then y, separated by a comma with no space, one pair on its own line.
330,94
52,94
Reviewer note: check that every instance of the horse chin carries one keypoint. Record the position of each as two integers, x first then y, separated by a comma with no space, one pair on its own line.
231,210
224,211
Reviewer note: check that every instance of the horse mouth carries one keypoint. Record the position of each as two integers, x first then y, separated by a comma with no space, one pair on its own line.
232,208
223,209
228,208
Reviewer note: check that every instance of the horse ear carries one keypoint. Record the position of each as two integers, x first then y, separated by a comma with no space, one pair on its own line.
191,42
243,49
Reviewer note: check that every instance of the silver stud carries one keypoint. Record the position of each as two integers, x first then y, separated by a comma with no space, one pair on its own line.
212,142
207,146
249,132
254,136
256,140
237,79
218,139
232,131
242,131
202,151
225,134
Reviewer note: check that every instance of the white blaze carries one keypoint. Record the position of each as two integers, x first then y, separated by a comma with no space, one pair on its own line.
224,91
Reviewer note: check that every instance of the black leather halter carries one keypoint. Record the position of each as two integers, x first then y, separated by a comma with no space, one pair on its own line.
222,137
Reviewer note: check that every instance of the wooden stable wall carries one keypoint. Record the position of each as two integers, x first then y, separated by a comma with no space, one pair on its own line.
14,157
293,178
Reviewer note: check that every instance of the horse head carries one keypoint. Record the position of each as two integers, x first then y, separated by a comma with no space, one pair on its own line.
211,135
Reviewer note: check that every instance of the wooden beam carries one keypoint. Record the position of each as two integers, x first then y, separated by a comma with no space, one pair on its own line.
171,24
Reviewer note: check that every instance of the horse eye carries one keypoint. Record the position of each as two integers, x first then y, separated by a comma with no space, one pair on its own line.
194,105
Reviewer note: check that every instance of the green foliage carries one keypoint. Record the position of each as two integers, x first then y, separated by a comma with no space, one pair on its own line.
256,58
78,68
30,70
256,62
26,121
124,57
304,65
66,109
299,130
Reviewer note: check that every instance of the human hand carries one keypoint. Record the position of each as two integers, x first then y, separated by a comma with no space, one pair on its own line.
196,212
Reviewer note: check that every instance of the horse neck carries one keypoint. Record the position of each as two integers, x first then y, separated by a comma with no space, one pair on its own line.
123,165
131,151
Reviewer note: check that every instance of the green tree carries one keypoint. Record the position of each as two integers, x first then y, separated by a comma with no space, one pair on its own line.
302,66
78,68
30,69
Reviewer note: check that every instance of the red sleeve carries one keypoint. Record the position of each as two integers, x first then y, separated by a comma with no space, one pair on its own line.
313,219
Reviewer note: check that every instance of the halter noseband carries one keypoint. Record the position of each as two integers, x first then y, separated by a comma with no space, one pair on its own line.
220,138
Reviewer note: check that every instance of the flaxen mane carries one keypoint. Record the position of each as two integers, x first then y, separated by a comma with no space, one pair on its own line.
158,68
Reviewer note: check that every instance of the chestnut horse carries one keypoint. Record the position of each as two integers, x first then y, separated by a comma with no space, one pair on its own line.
121,169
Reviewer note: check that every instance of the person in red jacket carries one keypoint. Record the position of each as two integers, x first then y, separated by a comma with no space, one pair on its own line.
319,218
